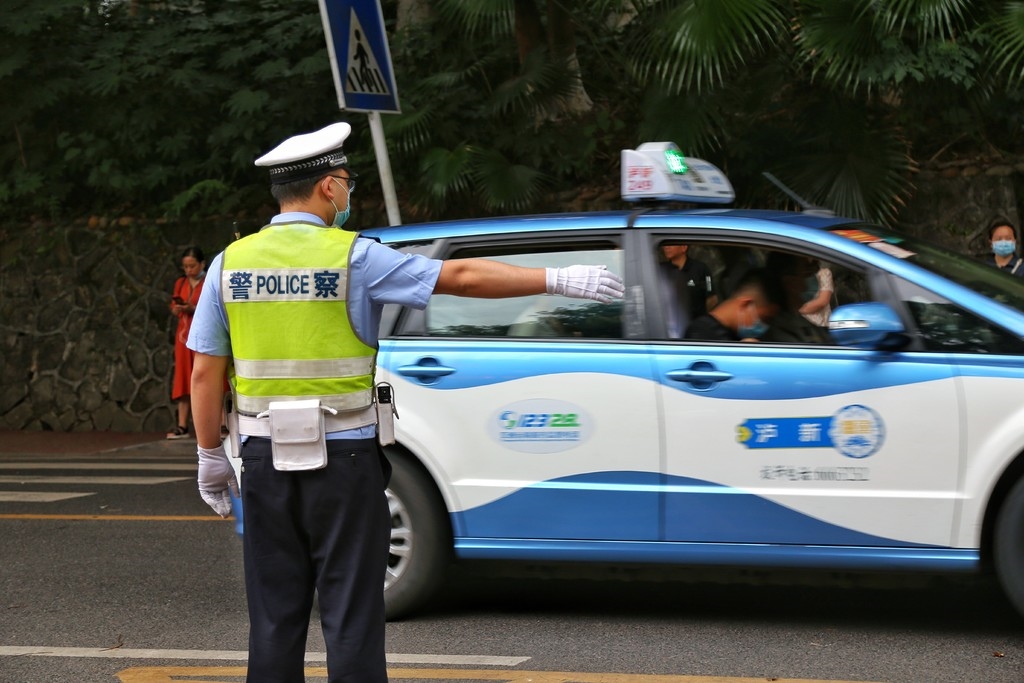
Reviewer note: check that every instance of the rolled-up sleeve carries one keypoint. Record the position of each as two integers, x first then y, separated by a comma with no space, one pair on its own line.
391,277
209,332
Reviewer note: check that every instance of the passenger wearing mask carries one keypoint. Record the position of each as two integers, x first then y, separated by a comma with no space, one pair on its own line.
745,315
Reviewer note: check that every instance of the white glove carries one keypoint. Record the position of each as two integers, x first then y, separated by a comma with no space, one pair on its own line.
585,282
215,478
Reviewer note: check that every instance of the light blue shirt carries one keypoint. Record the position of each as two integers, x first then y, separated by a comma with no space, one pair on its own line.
377,275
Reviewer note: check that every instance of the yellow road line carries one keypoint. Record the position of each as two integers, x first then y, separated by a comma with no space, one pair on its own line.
127,518
174,674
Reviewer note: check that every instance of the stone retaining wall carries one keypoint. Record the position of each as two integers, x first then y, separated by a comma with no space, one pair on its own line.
954,202
85,329
87,338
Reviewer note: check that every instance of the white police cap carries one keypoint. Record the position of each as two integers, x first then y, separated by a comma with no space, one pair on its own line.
308,155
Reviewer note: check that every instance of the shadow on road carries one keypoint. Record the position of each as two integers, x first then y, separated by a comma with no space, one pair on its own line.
935,603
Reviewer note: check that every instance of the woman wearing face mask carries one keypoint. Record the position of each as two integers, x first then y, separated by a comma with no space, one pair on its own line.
1003,237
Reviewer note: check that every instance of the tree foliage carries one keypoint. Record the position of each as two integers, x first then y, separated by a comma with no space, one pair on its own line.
150,105
487,127
159,107
841,98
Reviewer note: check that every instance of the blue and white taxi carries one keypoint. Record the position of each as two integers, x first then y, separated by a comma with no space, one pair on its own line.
545,429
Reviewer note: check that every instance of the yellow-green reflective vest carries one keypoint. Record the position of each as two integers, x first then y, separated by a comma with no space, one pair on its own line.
285,291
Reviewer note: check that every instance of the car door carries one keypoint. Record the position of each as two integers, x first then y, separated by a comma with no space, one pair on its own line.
806,444
534,415
989,362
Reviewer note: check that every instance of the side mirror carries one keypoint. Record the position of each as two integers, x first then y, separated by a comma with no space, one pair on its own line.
869,325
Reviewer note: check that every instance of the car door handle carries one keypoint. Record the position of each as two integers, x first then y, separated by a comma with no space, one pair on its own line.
699,376
427,370
702,375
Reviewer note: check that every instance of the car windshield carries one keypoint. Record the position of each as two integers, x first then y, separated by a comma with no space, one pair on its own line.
983,278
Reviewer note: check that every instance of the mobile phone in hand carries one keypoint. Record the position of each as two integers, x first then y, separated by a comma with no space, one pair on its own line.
178,300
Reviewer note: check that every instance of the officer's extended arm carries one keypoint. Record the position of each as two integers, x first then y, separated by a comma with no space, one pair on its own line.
486,279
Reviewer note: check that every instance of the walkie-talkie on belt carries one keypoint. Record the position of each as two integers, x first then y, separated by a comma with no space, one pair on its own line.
386,414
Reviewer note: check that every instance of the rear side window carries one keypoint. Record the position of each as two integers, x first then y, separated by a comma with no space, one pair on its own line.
692,276
539,316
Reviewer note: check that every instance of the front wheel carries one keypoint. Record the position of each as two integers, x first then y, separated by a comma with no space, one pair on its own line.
421,539
1009,546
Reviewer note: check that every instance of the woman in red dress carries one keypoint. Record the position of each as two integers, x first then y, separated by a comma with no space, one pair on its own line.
183,305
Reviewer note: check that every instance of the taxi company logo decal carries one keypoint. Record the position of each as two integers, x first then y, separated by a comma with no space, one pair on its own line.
540,426
855,431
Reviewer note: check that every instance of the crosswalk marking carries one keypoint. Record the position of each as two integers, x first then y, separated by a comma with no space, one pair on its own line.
41,473
168,466
39,496
93,481
121,518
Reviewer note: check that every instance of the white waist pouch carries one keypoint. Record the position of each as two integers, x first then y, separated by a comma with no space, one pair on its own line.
297,437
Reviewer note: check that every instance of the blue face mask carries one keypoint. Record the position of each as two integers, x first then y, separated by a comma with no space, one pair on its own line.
757,328
341,216
1004,247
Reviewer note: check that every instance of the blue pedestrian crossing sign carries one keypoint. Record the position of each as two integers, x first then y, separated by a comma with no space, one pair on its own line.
360,58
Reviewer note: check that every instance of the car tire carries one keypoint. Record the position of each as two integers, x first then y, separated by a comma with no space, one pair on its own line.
1009,546
421,539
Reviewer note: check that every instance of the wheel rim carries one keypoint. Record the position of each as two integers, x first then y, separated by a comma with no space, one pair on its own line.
402,538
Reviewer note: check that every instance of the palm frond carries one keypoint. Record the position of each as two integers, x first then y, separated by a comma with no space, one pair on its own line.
1007,45
695,44
851,162
505,186
543,83
693,122
941,19
838,39
411,130
446,171
493,17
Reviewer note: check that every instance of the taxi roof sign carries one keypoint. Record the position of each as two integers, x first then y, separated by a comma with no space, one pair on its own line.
658,171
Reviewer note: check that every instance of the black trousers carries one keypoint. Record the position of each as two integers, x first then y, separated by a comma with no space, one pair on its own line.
329,529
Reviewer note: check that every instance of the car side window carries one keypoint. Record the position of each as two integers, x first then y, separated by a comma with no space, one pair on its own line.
945,327
538,316
693,277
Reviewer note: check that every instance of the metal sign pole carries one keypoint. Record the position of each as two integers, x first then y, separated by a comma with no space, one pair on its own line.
364,76
387,181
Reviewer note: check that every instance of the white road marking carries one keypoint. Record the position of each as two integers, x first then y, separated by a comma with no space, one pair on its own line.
38,496
141,481
176,466
55,496
241,655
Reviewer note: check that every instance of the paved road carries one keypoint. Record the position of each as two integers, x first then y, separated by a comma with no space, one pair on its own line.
116,571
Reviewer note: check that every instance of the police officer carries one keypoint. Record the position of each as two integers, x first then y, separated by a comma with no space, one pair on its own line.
294,311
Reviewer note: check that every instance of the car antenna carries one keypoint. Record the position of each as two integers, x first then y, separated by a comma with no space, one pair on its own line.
805,206
644,208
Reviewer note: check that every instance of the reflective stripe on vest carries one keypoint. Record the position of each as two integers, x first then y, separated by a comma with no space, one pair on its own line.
254,405
314,369
285,290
